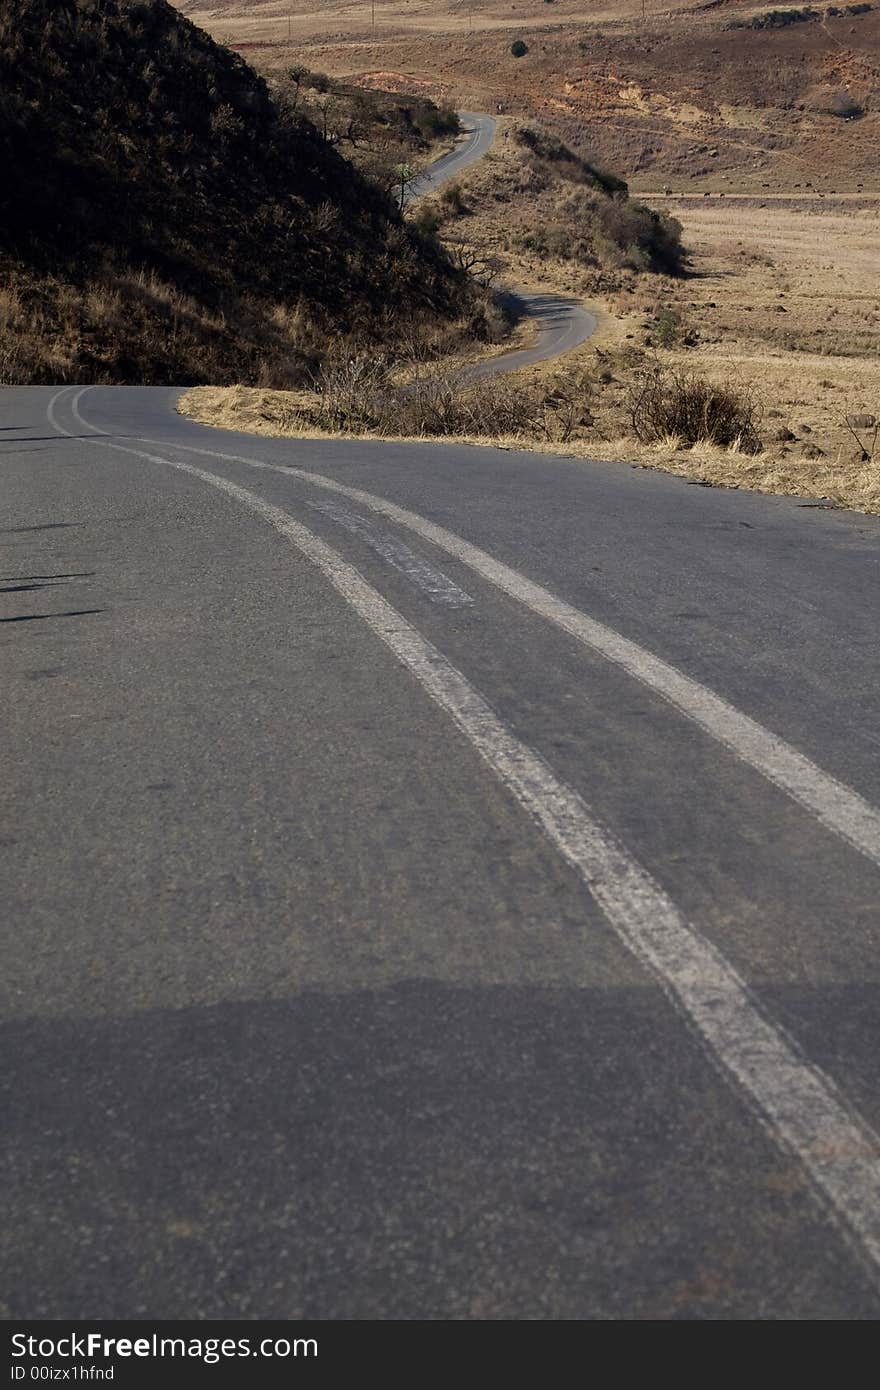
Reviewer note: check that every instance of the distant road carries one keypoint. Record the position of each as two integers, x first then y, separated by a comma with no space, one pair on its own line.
478,135
439,881
562,323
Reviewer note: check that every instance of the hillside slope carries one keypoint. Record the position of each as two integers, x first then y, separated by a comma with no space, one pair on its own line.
162,218
720,94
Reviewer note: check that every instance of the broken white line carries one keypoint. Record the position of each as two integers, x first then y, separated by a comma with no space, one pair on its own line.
438,587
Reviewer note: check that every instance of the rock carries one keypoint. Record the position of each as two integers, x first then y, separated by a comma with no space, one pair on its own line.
812,451
861,422
784,436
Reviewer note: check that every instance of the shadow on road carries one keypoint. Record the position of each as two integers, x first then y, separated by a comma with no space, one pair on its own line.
419,1150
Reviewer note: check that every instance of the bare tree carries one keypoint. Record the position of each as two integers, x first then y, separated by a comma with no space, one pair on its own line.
476,261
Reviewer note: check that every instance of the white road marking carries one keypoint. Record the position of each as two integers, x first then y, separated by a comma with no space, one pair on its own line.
837,806
50,410
797,1103
433,582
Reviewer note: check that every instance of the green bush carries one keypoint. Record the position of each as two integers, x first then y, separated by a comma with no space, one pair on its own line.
434,122
666,326
519,49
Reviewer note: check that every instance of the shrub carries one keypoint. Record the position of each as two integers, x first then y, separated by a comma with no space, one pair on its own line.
442,406
357,396
667,325
318,81
676,405
452,200
346,390
845,106
519,49
428,220
434,122
653,236
777,19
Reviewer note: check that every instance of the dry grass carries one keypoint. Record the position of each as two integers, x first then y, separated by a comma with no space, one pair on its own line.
790,274
301,20
664,95
783,298
243,242
842,480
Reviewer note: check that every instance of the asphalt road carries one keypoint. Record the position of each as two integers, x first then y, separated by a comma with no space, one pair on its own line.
440,882
478,132
561,323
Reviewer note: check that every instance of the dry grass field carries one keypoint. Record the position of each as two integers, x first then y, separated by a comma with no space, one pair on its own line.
733,131
785,299
660,94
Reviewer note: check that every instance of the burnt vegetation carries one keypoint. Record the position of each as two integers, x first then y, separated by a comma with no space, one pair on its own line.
164,217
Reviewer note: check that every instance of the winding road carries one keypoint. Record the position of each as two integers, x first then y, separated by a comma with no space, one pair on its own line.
478,133
441,882
561,323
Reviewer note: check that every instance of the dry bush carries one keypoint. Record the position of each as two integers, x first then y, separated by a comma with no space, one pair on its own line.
358,396
348,391
445,406
844,105
452,201
664,405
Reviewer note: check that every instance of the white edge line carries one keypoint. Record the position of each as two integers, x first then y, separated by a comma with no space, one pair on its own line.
834,804
800,1106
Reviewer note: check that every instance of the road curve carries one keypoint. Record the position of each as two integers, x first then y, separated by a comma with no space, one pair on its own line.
440,884
478,133
562,323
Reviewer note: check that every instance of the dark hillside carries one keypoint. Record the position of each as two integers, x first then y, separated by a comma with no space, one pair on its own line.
161,218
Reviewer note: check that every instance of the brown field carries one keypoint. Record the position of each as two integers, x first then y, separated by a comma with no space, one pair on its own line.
783,290
660,94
